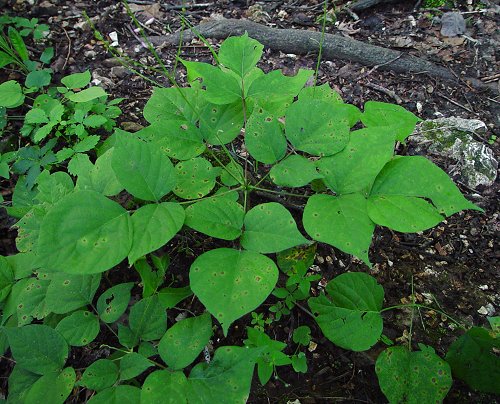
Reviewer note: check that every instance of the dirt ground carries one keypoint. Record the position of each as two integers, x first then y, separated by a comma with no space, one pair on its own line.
453,266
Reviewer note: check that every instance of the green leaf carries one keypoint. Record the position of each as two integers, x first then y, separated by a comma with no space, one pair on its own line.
195,178
18,43
5,59
52,387
232,174
417,176
323,92
226,380
99,177
264,137
393,117
221,124
473,359
47,55
36,116
153,226
132,364
95,121
86,144
53,187
147,320
317,127
413,377
77,80
164,386
84,233
299,362
31,302
79,328
20,382
221,87
37,348
169,297
142,168
175,104
403,213
341,221
269,228
274,91
38,78
355,168
68,292
86,95
294,171
151,280
121,394
351,317
216,217
101,374
302,335
178,139
6,278
235,289
240,54
183,342
11,94
114,302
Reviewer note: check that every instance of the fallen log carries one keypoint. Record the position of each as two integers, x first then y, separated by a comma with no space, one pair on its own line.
334,47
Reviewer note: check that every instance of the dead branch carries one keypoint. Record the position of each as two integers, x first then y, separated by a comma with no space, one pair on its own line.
334,47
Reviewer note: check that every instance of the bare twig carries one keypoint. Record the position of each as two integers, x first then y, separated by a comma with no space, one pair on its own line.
456,103
69,49
169,7
366,74
385,91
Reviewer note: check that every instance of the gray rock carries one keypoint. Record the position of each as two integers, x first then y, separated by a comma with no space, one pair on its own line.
452,24
473,162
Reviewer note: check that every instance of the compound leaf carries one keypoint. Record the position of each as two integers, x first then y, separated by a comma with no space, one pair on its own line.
99,177
84,233
239,286
406,214
413,377
144,170
79,328
77,80
37,348
341,221
153,226
350,318
184,341
294,171
269,228
217,217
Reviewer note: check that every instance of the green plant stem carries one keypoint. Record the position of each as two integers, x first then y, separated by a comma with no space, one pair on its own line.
423,306
251,187
212,196
320,54
412,315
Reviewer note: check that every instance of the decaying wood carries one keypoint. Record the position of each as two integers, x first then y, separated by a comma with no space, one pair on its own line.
334,47
364,4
